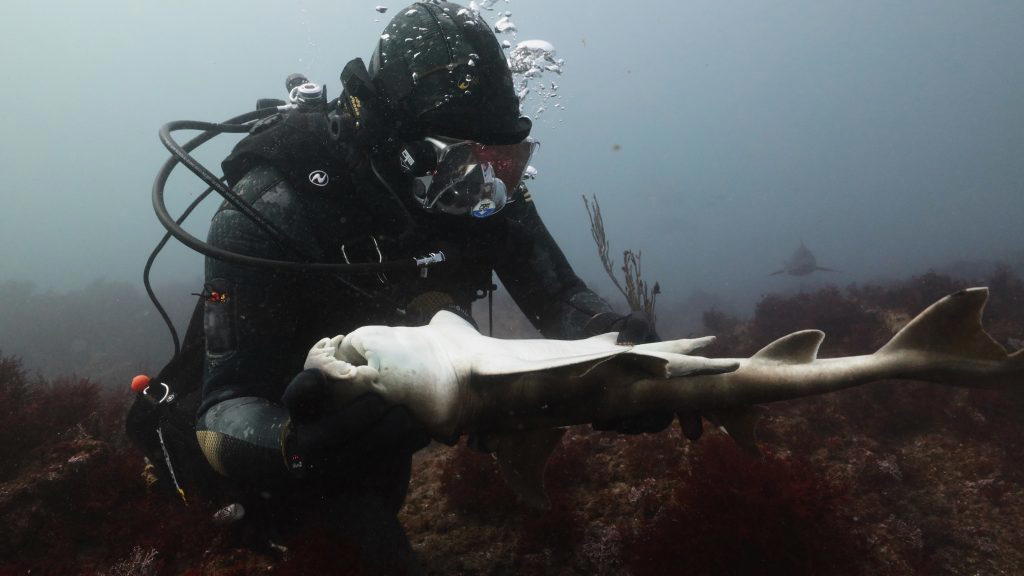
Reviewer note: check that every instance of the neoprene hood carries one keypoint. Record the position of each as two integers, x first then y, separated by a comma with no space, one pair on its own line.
442,72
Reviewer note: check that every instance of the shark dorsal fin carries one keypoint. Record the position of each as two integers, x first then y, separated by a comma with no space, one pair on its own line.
796,348
950,326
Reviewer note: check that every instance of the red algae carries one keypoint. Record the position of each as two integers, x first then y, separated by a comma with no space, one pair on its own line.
735,514
896,477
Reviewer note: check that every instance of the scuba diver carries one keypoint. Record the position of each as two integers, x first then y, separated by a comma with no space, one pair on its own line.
419,160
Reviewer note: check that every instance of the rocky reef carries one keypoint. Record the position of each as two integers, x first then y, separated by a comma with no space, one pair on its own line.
892,478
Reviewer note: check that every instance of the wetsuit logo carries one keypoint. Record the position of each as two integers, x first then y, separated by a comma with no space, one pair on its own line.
319,178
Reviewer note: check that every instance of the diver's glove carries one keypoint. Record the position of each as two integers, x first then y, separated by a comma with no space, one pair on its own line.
633,328
323,438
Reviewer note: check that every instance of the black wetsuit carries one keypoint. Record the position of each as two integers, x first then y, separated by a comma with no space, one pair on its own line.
260,323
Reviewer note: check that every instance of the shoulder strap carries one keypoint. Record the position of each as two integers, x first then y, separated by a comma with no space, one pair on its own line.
297,143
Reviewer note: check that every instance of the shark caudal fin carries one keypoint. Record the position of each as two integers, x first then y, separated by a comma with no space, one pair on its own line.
946,343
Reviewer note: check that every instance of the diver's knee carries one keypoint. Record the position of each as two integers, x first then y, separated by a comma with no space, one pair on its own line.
241,437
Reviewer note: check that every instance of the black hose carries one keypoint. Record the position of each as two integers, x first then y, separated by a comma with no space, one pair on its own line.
180,154
149,266
191,145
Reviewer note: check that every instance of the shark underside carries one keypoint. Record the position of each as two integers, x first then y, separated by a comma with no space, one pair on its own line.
519,395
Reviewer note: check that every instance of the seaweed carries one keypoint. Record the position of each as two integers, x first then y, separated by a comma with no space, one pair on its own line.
639,296
895,477
472,485
73,494
734,514
849,326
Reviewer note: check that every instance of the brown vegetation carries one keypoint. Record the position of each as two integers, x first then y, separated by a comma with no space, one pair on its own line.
894,478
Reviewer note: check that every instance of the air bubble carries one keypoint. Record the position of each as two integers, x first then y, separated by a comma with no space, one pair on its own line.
504,24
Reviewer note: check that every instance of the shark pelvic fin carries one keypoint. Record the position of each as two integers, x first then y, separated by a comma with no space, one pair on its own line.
796,348
522,458
951,326
741,424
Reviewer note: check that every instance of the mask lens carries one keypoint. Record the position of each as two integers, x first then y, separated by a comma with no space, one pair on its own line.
459,193
473,178
492,197
509,161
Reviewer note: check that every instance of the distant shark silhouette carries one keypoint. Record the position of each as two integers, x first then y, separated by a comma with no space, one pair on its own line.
802,263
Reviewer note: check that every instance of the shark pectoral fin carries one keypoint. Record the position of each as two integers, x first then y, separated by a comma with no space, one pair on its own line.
522,458
653,363
700,366
682,346
741,425
499,365
671,365
796,348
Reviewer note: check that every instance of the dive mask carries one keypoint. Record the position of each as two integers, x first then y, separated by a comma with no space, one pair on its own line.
462,177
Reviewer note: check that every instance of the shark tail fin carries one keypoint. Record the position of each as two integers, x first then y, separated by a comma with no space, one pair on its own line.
949,333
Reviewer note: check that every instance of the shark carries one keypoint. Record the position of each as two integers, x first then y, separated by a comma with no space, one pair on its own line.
801,263
519,396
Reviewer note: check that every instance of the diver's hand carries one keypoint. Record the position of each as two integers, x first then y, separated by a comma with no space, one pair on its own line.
325,438
633,328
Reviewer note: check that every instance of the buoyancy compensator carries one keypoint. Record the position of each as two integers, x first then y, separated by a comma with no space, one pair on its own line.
161,420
